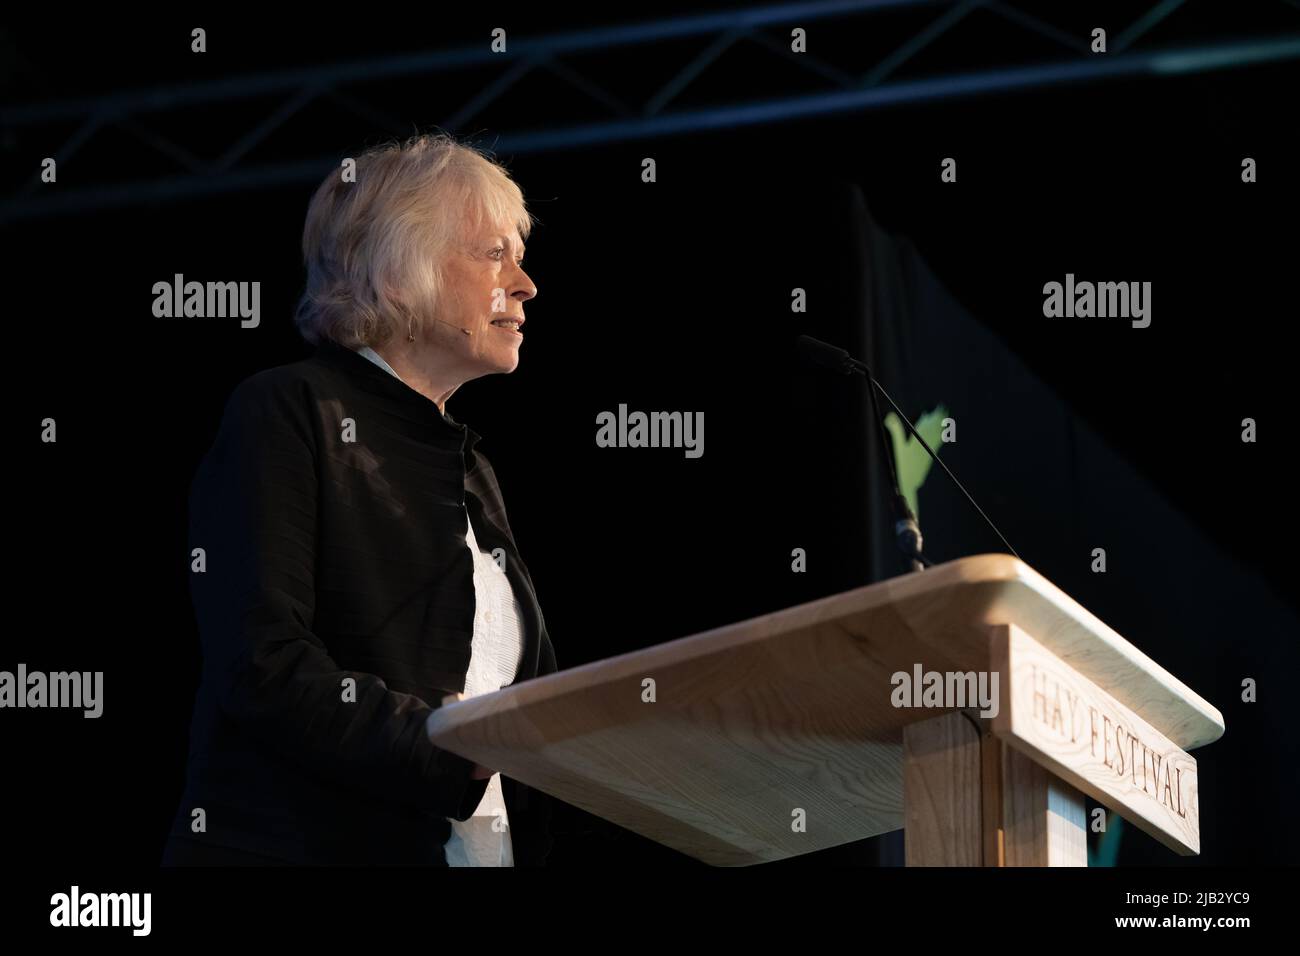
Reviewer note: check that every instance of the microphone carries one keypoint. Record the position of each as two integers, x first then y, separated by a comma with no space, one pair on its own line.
453,325
817,352
906,530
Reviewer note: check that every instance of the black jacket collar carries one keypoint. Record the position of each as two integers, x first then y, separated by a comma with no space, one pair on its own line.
382,382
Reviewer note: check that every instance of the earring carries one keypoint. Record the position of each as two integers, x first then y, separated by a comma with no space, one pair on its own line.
410,330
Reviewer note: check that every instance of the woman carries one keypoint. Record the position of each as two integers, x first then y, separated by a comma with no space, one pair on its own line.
352,562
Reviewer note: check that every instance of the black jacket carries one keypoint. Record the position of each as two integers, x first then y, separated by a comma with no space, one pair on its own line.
331,516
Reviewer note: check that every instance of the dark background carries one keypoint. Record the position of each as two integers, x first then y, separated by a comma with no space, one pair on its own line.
675,295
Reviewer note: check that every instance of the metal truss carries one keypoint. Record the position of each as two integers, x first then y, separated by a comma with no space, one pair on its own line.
613,120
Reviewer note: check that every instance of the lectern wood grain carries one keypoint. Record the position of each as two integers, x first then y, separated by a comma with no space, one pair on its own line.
1043,817
970,800
942,798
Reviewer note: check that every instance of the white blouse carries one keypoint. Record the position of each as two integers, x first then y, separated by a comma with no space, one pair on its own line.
495,655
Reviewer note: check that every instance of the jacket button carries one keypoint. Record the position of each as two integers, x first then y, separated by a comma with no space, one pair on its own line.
488,617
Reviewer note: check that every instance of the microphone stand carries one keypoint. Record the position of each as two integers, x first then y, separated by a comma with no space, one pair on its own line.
907,532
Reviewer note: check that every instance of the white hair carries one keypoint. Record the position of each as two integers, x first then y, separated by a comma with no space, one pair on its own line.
373,248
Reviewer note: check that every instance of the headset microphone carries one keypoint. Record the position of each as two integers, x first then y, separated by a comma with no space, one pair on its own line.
454,326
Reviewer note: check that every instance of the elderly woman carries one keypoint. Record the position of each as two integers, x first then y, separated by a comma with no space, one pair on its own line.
352,561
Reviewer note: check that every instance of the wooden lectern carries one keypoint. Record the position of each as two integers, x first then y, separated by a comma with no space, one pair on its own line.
798,730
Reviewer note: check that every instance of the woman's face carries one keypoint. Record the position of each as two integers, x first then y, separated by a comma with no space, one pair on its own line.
485,289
